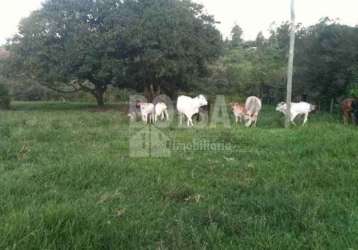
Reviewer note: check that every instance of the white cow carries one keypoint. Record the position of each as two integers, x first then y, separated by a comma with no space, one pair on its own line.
190,106
297,108
147,111
161,110
253,107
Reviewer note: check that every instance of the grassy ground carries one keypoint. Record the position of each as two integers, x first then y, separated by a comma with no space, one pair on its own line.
67,182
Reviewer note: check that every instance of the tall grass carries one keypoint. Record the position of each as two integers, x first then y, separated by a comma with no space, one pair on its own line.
67,182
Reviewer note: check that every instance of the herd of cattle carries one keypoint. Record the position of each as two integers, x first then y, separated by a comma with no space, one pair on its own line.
246,113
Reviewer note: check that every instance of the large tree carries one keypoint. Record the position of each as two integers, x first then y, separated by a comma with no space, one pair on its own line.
86,45
328,59
170,44
236,36
71,45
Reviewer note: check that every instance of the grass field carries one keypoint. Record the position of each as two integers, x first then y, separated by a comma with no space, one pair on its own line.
67,182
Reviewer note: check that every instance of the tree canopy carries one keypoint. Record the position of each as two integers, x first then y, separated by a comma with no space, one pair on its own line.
86,45
325,68
170,44
236,36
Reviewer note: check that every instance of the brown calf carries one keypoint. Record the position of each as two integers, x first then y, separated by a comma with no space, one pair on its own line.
348,111
239,111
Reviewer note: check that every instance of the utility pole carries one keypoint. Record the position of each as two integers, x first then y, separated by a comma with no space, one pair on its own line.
290,64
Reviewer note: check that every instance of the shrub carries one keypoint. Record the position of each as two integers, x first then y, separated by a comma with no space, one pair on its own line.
354,92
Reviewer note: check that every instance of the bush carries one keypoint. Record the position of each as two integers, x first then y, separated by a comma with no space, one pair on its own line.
354,92
4,97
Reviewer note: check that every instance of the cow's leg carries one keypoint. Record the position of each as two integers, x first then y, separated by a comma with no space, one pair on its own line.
166,115
255,119
187,120
190,121
355,117
293,116
249,119
180,118
305,119
349,117
242,119
345,118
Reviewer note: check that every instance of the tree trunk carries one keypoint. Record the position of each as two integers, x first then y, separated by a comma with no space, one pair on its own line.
99,95
262,86
331,107
100,100
150,92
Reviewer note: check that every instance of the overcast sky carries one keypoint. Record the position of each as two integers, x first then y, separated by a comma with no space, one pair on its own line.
252,15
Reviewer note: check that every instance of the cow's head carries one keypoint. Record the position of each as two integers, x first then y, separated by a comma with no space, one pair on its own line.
138,104
281,107
202,100
313,107
238,108
249,118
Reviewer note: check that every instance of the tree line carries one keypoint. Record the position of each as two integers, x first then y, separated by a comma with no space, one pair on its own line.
325,66
172,46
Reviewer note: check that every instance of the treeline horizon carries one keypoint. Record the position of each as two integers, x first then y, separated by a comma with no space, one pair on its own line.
73,49
325,64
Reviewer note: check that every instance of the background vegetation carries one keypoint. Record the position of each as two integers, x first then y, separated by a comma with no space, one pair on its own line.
325,63
155,46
